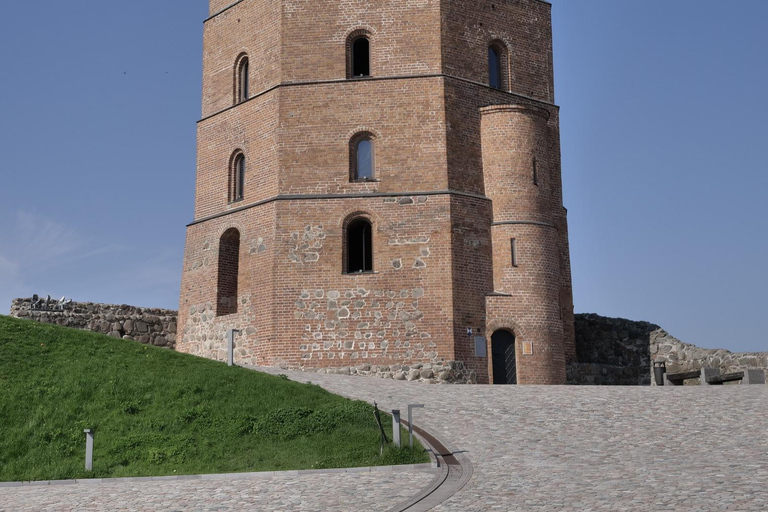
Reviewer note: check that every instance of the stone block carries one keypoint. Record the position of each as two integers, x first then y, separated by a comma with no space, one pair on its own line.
707,373
754,376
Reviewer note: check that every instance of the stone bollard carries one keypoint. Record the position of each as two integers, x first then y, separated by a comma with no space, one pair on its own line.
754,377
707,373
88,449
396,427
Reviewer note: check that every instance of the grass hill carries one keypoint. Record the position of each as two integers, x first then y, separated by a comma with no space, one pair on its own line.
158,412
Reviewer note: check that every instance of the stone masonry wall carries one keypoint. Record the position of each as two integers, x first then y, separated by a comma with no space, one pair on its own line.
146,325
615,351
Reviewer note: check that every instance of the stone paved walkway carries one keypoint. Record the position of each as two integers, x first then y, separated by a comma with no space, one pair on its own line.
533,448
281,493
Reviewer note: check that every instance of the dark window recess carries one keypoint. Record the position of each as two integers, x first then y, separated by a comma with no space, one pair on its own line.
243,81
359,247
494,67
238,183
514,251
229,269
361,57
364,160
535,172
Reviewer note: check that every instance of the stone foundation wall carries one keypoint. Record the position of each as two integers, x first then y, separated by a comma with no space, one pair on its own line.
615,351
451,372
146,325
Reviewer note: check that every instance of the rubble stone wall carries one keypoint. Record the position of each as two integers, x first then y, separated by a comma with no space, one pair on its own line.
146,325
615,351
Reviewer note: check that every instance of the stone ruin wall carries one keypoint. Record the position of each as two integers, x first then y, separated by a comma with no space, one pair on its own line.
150,326
614,351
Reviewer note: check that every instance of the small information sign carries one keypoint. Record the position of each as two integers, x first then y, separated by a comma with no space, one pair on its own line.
480,347
527,348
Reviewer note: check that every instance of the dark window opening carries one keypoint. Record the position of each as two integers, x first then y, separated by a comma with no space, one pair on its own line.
243,85
359,247
494,68
229,270
361,57
535,172
238,179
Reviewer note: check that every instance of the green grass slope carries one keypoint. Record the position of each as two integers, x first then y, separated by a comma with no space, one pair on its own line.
158,412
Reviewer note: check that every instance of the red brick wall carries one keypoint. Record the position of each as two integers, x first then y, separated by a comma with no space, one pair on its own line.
442,178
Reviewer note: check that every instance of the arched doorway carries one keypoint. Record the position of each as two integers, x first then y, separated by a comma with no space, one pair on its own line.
504,357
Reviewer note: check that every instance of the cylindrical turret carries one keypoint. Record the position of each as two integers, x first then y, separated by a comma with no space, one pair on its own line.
526,255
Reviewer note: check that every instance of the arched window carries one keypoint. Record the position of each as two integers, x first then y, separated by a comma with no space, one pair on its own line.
358,54
494,67
229,270
498,65
359,247
362,158
241,79
361,57
237,178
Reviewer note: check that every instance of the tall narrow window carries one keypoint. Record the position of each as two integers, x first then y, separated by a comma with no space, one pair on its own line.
241,79
514,251
361,57
359,246
494,67
535,172
362,157
237,178
229,270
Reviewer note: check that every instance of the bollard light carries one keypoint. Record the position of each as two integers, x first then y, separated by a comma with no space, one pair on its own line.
411,407
396,427
88,449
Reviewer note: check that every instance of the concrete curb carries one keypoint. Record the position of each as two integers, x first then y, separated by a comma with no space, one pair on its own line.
224,476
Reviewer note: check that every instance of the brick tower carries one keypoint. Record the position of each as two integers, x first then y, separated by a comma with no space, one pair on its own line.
378,188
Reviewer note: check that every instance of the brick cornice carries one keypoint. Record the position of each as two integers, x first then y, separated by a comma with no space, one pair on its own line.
380,78
315,197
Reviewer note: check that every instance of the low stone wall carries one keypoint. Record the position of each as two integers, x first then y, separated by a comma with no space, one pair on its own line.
610,351
146,325
683,357
615,351
451,372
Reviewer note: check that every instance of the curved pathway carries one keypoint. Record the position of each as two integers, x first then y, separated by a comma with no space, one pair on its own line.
532,448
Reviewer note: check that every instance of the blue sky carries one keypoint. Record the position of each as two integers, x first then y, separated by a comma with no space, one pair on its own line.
663,134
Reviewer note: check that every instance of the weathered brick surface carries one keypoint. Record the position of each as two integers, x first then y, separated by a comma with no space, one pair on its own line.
447,167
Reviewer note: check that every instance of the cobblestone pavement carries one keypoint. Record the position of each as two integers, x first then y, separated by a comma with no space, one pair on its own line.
592,448
533,448
284,492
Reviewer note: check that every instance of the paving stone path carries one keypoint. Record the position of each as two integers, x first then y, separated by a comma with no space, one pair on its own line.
533,448
279,493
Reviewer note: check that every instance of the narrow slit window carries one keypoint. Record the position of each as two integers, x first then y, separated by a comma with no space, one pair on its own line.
237,180
359,247
361,57
535,172
241,80
514,251
494,68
